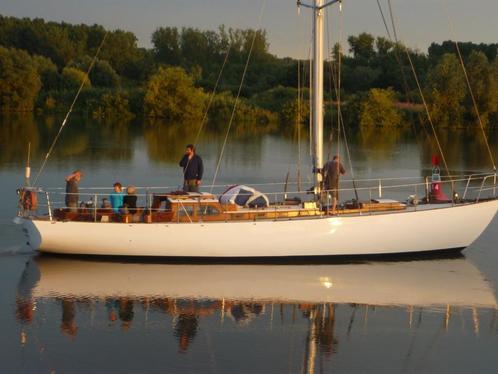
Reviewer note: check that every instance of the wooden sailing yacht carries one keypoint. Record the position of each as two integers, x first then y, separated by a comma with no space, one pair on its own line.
203,225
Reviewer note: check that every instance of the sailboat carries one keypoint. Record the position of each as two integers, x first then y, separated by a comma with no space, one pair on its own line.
210,226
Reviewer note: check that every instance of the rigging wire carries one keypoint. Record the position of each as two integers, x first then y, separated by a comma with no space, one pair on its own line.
298,125
213,93
90,67
337,89
301,81
474,102
384,20
211,98
339,84
310,99
403,75
331,79
422,96
238,94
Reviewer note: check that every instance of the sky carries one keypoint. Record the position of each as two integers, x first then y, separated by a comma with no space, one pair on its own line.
419,22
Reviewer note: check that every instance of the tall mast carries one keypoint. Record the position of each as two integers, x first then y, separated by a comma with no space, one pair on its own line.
317,92
318,9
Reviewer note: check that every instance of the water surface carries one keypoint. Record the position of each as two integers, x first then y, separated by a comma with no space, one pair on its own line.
81,315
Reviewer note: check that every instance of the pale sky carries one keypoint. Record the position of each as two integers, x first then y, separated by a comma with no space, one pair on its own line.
419,22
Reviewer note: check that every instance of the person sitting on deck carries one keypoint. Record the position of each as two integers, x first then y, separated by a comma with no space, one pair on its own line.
130,201
192,169
116,197
72,196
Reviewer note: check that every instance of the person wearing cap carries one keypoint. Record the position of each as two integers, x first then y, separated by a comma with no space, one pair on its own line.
193,169
72,196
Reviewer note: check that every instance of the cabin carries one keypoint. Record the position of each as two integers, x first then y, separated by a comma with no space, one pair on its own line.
181,207
189,207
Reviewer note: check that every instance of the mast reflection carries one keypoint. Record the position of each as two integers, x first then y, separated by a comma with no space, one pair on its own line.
192,295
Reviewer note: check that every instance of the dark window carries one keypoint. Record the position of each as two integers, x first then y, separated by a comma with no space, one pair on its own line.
210,210
184,210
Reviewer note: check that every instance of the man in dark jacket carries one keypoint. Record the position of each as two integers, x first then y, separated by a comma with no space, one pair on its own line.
192,170
333,169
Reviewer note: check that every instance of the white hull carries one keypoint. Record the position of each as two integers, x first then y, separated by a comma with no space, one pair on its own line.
376,234
454,282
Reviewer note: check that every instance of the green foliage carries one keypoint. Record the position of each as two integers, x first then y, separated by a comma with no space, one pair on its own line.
166,41
283,100
124,75
483,78
294,111
72,78
63,43
447,91
112,105
102,73
47,70
436,51
19,80
120,50
379,110
362,46
171,94
222,107
192,48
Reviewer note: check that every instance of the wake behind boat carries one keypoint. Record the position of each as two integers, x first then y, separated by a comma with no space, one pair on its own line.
243,224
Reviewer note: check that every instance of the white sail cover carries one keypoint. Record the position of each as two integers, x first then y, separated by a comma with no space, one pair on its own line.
244,196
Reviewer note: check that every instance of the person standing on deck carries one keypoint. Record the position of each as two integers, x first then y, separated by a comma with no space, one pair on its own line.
192,169
333,169
72,196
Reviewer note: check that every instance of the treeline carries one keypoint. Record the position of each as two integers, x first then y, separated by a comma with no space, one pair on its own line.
42,64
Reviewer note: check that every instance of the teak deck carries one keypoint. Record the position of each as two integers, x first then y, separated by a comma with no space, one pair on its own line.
176,208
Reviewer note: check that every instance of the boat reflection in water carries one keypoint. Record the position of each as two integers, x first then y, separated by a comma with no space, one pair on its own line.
191,293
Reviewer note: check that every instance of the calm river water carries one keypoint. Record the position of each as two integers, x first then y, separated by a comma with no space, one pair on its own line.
65,315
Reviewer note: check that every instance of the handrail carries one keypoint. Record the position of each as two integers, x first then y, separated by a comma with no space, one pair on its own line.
482,185
270,193
53,198
467,187
290,182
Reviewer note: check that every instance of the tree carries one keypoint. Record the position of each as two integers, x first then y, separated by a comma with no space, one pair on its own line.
119,49
102,73
447,87
171,94
482,77
194,46
436,51
48,72
19,80
379,109
166,41
72,78
362,46
383,45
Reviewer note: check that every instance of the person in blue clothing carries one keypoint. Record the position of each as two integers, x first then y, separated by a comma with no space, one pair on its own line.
117,197
192,169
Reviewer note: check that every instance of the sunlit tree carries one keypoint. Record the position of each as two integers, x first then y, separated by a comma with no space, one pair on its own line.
171,94
378,109
447,90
